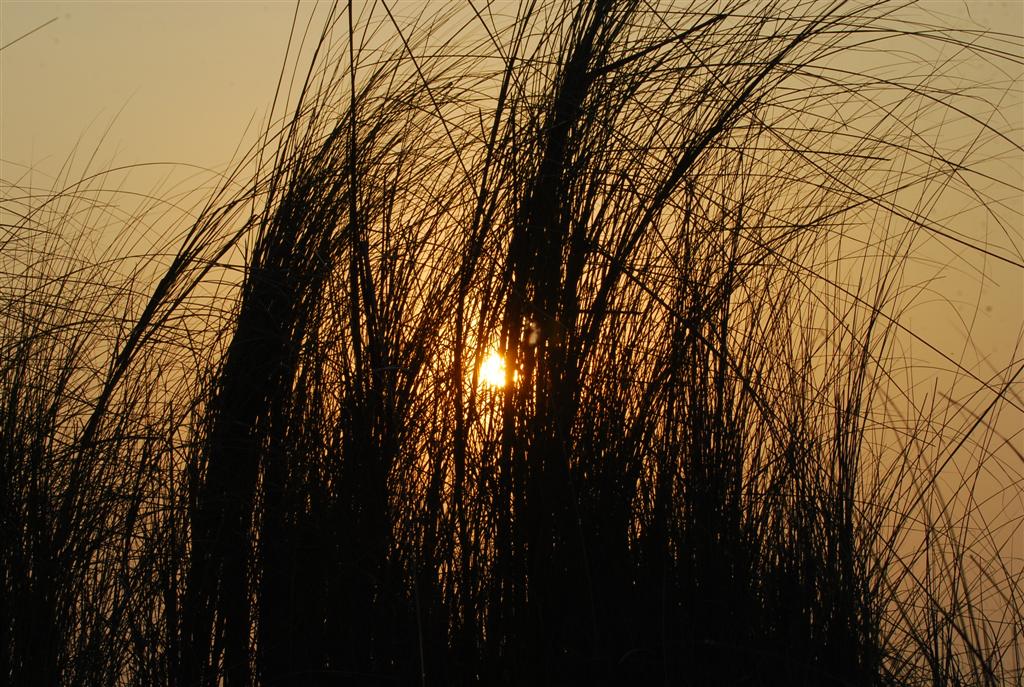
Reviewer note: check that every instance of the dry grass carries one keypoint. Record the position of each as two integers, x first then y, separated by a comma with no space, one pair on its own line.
688,234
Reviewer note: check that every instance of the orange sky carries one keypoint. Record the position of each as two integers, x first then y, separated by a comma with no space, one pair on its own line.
181,81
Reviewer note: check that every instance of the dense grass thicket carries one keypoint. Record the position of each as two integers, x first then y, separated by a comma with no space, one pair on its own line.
257,450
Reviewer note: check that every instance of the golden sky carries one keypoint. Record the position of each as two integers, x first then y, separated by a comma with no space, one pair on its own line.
181,81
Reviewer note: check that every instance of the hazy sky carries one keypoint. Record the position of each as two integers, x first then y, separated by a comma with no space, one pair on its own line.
182,78
180,81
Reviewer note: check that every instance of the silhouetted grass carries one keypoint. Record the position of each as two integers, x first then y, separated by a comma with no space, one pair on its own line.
688,234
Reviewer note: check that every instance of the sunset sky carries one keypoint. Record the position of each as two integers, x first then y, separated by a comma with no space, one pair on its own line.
180,81
190,82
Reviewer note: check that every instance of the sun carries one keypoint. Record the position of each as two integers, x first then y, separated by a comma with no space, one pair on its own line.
492,370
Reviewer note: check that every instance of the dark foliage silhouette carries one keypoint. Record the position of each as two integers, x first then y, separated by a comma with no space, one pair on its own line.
270,458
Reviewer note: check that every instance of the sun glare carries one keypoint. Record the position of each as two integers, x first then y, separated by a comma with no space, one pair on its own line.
492,370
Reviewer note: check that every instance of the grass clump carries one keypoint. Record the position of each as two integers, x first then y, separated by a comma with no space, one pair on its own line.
691,236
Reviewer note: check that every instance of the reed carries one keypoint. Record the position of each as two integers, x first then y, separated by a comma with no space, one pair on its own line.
270,458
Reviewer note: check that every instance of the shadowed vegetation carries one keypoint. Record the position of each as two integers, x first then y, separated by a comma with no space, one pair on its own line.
262,453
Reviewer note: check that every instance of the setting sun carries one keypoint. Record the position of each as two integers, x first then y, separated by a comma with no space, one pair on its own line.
492,370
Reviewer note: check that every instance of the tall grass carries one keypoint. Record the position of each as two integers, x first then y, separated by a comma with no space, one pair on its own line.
690,234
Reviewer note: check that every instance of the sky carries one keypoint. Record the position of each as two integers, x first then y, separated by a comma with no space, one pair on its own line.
179,81
192,82
174,82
